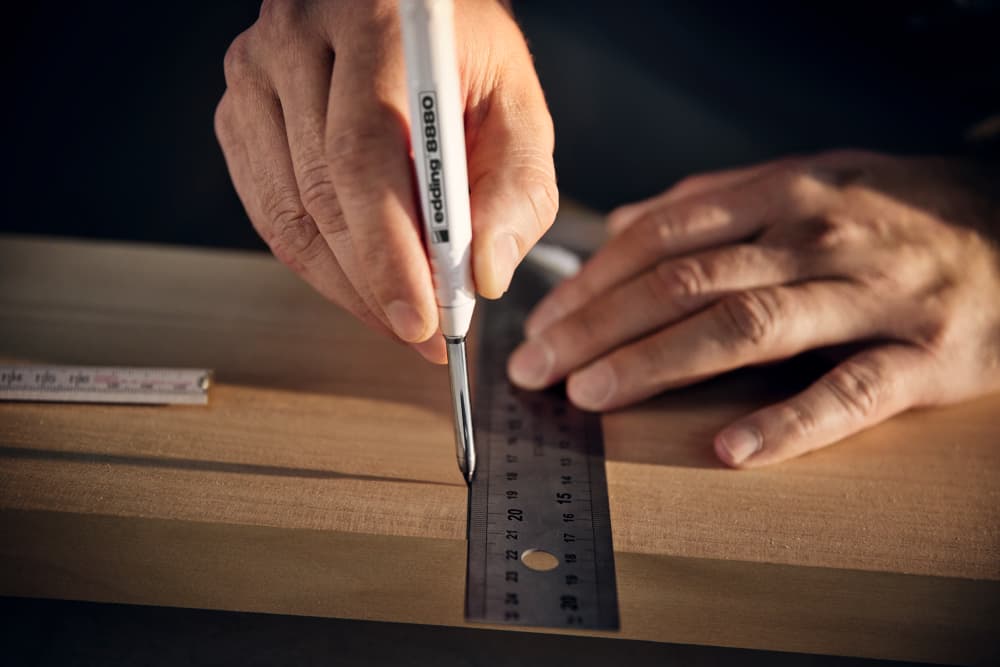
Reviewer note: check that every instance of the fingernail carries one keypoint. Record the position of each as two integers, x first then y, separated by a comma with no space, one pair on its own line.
406,321
506,254
432,350
531,364
740,443
593,386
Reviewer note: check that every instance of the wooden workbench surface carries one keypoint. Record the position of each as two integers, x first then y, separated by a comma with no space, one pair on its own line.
321,478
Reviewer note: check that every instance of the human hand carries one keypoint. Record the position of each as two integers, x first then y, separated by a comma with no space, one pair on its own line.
753,265
313,125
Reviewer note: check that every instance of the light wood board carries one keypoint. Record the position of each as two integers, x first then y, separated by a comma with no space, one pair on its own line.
321,478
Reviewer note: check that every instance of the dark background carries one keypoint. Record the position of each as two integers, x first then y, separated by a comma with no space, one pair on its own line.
107,115
49,633
108,106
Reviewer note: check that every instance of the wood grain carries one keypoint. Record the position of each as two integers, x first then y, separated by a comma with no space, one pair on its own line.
337,444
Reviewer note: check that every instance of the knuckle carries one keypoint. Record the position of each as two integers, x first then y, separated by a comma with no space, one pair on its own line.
838,169
741,260
317,189
223,121
857,387
751,317
879,280
802,183
671,226
692,180
664,226
683,185
935,333
938,326
801,420
319,198
678,279
621,214
290,234
543,196
333,227
238,64
281,204
828,233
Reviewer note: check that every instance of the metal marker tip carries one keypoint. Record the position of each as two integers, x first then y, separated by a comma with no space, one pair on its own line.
458,371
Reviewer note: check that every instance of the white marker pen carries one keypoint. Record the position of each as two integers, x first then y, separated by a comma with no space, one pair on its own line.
437,133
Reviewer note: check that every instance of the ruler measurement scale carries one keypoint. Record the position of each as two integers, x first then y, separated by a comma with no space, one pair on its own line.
104,384
541,486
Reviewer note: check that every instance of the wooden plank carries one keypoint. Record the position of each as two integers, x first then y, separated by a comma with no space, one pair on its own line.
412,579
317,428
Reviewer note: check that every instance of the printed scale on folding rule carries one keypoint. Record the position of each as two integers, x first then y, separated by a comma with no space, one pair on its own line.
540,550
104,384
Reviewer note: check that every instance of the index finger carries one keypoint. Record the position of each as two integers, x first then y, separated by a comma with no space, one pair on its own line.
681,227
692,186
367,144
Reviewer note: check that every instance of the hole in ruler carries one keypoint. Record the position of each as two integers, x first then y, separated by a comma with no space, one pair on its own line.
536,559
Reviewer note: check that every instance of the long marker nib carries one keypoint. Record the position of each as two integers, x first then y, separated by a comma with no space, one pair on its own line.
458,370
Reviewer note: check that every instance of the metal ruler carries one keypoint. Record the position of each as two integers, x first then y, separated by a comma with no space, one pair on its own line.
104,384
539,531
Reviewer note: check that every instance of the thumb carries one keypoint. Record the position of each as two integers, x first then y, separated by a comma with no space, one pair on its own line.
513,185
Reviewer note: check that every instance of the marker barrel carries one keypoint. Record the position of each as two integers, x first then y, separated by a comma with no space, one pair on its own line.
437,134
